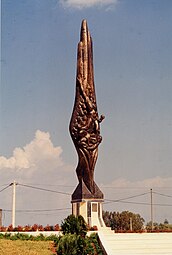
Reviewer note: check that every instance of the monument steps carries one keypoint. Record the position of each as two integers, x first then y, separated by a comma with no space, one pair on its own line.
133,243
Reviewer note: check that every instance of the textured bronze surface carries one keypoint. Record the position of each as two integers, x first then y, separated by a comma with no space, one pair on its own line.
85,122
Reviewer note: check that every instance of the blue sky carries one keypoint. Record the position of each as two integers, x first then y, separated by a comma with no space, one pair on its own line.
132,58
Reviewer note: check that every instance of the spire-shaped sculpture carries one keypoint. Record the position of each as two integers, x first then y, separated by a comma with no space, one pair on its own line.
85,123
85,132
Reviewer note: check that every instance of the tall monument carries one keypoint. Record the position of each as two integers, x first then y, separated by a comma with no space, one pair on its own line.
85,132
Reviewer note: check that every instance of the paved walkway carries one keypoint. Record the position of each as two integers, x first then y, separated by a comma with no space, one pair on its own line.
132,244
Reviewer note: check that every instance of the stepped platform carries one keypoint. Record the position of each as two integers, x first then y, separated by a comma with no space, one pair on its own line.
133,243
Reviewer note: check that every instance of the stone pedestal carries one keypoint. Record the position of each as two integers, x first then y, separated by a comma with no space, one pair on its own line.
88,205
91,210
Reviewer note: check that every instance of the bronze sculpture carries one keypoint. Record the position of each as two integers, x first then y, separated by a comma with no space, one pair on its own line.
85,122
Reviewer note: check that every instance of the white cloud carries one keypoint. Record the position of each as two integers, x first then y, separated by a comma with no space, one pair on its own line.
38,163
37,153
156,182
80,4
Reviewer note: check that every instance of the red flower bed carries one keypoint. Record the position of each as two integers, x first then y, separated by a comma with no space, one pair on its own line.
29,228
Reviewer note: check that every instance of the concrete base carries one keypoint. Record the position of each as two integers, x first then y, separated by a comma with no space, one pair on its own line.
91,210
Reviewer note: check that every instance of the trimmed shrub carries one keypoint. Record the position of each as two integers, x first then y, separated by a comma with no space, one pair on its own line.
72,244
74,225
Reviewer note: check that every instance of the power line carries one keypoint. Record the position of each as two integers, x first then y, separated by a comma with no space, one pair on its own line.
102,186
43,210
122,199
137,203
41,214
142,203
5,187
65,193
164,195
53,185
42,189
37,210
130,187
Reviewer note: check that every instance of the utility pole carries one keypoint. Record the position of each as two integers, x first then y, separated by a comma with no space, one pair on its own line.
131,224
13,203
0,217
151,209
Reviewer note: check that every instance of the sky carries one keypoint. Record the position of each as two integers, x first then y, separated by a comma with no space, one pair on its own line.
132,64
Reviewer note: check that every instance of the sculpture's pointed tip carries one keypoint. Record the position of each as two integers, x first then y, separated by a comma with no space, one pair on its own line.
84,25
84,30
84,22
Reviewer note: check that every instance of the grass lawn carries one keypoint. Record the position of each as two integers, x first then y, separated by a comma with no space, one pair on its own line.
18,247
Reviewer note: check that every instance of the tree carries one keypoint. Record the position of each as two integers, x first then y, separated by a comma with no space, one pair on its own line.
74,225
123,221
72,244
159,226
74,240
166,222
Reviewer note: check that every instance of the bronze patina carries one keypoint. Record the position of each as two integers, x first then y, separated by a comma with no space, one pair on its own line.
85,121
